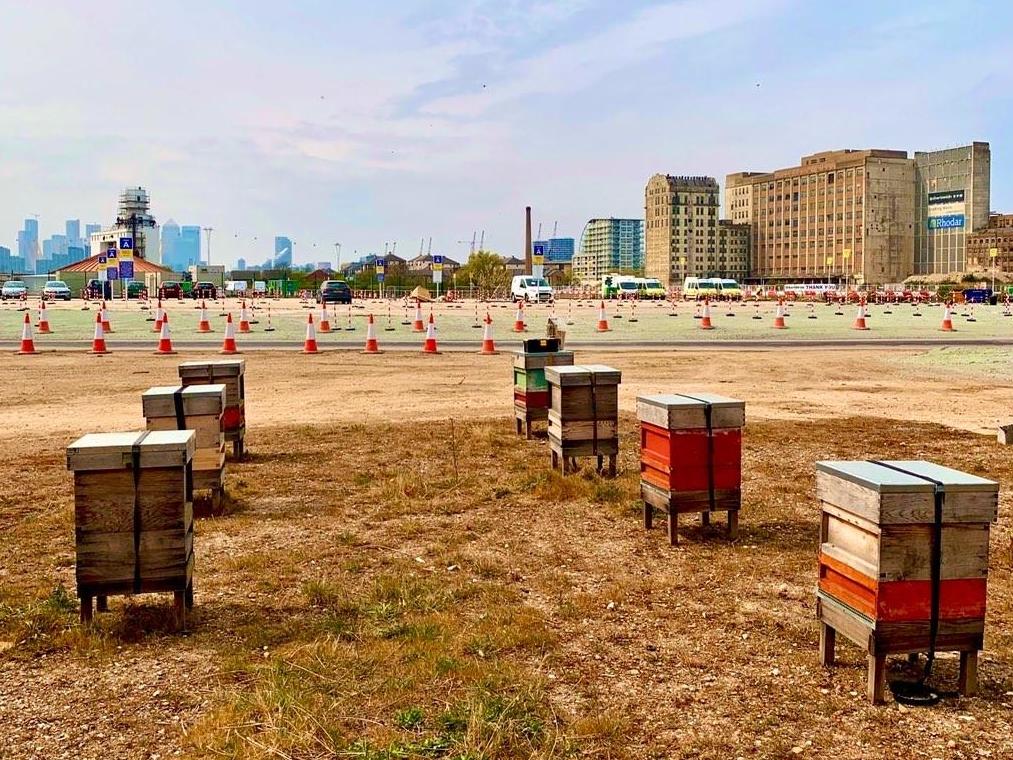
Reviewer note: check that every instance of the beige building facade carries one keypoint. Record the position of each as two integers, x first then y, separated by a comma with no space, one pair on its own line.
684,236
992,247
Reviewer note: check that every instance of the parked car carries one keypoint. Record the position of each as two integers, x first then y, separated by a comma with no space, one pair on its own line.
531,289
205,290
136,289
56,289
13,289
170,289
335,291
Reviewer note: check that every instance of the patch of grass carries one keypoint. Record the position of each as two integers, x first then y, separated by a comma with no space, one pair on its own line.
40,626
410,718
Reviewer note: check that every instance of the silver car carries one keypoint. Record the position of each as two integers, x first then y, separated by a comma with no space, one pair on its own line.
13,289
55,289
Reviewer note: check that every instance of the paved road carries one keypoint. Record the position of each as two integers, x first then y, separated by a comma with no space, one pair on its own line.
513,345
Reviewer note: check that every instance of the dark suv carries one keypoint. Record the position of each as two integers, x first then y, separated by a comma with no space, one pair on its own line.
204,290
335,291
170,289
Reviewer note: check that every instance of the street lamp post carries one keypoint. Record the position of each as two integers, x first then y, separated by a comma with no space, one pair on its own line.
208,231
337,267
993,254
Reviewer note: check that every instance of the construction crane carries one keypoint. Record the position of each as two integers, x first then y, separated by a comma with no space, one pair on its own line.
474,238
555,227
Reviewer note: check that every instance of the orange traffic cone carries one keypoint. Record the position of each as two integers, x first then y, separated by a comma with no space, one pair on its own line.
204,326
947,325
105,318
27,342
779,317
429,347
417,325
164,339
309,346
98,343
705,322
325,320
43,319
372,347
488,346
159,316
229,344
603,322
244,319
519,325
860,319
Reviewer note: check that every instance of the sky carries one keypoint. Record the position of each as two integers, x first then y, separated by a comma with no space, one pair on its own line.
369,124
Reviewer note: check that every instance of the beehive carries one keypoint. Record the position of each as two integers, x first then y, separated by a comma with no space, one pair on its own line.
199,408
232,374
691,456
531,391
583,414
885,577
133,515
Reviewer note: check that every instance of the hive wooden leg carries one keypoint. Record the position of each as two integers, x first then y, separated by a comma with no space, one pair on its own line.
612,466
673,526
189,596
705,518
527,429
968,684
102,604
179,609
601,464
517,424
828,638
555,458
733,524
86,610
648,516
876,678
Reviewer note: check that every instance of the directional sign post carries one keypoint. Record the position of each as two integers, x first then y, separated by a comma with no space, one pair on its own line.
437,273
381,270
538,260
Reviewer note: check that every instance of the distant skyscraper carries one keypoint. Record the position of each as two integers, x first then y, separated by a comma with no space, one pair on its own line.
28,243
241,265
73,230
609,245
282,252
189,245
90,229
170,245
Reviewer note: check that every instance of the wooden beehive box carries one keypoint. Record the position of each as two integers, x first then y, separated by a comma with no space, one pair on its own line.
876,565
583,413
691,456
199,408
531,390
232,374
133,514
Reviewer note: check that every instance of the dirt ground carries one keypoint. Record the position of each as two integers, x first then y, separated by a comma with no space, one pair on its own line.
398,575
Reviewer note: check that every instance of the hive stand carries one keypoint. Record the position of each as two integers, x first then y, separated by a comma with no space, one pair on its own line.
903,544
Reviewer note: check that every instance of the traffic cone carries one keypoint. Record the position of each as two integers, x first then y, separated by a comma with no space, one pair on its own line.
603,322
779,317
27,343
488,346
105,319
325,319
417,325
429,347
98,343
244,319
705,321
204,326
159,316
309,346
164,339
947,325
860,319
229,344
43,319
372,347
519,325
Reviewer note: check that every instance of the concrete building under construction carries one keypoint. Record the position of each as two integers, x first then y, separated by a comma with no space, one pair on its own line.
134,222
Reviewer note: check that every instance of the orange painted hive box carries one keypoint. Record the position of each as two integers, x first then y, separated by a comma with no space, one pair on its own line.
879,559
691,450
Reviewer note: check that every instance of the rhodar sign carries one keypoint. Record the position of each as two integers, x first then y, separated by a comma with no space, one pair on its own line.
381,269
538,255
437,268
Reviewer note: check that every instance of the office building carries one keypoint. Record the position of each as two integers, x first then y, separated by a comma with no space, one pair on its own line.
134,226
953,188
170,245
282,252
28,243
992,247
91,229
557,250
684,235
73,231
240,264
609,245
863,216
188,252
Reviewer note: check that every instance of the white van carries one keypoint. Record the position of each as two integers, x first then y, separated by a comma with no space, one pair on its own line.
696,289
531,289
